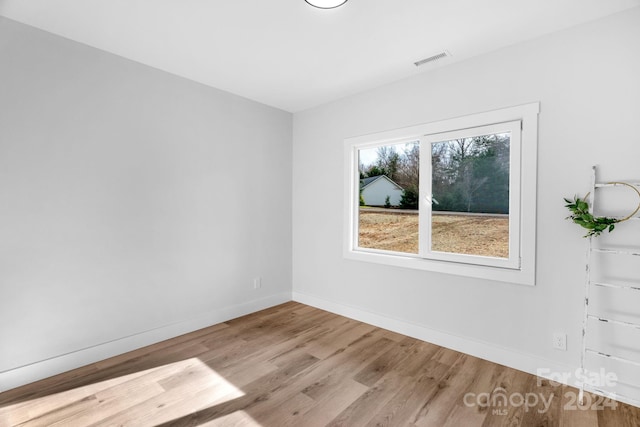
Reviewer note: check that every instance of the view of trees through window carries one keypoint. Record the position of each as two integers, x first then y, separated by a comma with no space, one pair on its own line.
389,188
470,188
469,196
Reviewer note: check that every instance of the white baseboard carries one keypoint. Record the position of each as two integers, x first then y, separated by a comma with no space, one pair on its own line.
500,355
56,365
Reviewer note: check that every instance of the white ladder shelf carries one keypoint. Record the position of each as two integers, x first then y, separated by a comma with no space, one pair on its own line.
627,251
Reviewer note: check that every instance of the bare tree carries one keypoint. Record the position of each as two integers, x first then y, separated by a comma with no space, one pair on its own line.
409,167
388,161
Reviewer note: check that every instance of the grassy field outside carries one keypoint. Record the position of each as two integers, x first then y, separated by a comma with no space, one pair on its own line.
458,233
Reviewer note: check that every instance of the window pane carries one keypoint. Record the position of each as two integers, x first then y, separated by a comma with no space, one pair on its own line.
389,188
470,189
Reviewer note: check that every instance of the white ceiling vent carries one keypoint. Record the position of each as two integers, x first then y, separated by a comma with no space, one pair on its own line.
435,57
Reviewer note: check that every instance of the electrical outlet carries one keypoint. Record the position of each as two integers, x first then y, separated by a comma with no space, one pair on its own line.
560,341
257,283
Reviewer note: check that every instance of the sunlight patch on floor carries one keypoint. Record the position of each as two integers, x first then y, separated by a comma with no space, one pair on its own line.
236,419
148,396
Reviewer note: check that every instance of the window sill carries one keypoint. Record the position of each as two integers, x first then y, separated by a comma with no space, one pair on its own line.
525,275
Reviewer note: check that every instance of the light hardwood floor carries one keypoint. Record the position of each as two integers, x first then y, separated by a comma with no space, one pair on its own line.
294,365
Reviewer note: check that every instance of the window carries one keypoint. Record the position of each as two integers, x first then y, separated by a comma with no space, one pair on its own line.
451,196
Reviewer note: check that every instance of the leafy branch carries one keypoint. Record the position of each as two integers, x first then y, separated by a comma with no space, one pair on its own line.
580,215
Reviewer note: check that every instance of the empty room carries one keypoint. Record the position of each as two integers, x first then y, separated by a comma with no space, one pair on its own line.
320,213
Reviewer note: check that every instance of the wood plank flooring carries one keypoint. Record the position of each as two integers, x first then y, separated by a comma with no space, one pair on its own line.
294,365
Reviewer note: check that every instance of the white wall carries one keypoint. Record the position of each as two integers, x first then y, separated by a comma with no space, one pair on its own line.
130,200
586,80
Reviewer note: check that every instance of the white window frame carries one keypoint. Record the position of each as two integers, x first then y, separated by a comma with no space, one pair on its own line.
513,127
520,267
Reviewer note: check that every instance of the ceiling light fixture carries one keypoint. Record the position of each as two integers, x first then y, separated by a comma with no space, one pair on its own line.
326,4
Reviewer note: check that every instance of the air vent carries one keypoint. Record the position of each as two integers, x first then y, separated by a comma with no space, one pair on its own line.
436,57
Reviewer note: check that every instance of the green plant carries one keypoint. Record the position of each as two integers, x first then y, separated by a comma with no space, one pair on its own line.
409,198
387,202
580,215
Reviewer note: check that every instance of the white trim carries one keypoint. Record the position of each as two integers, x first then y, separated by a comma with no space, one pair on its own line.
56,365
487,351
525,274
412,133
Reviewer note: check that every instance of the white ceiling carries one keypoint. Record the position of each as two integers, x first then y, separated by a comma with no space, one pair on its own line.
290,55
